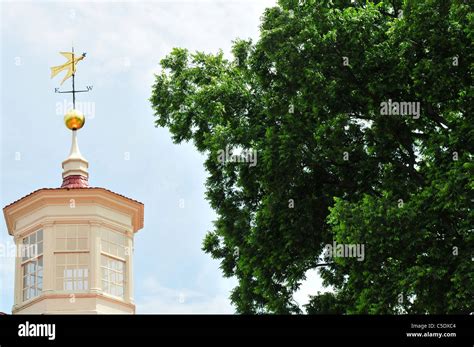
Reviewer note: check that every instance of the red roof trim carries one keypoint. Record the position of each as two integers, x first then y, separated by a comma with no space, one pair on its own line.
41,189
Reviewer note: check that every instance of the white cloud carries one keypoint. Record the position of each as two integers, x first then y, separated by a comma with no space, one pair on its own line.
131,36
159,299
310,286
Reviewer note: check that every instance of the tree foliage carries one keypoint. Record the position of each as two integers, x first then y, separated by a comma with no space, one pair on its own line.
306,97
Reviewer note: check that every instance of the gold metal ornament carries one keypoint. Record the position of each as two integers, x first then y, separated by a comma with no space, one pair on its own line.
74,119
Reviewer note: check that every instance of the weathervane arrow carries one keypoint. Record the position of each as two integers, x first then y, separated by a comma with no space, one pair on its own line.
70,67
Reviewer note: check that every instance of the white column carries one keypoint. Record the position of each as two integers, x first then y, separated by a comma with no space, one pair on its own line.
94,249
129,268
49,270
18,296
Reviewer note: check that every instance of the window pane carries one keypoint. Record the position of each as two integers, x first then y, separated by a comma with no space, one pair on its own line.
113,237
112,272
104,274
82,232
83,259
71,233
71,258
39,236
82,244
72,271
71,244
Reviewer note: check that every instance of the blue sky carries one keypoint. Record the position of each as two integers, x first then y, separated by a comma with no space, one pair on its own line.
124,42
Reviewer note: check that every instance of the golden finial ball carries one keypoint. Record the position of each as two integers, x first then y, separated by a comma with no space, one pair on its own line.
74,119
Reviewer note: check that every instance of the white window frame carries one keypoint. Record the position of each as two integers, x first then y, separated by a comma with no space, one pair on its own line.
32,282
112,278
76,273
67,242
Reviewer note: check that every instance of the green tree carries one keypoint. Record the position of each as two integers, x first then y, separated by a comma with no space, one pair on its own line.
306,97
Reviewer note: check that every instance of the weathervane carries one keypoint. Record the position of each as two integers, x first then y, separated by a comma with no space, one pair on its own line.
74,119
